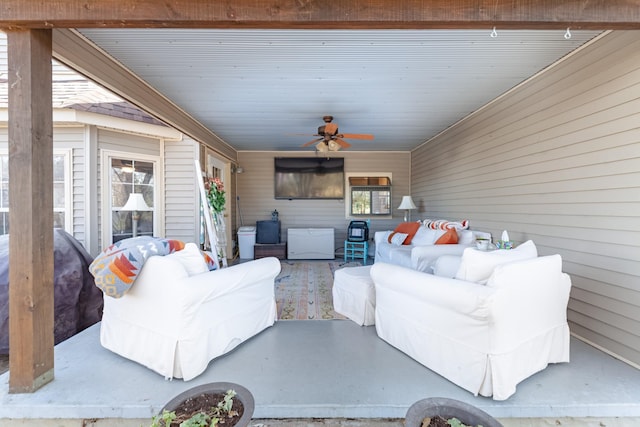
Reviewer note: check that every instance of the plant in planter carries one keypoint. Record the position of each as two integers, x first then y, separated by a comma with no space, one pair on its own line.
447,412
208,405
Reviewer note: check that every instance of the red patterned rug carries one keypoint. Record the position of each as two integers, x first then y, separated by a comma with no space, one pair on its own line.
304,289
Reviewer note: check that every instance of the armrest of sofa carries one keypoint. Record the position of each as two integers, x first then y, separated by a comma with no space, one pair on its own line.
531,298
423,258
451,294
217,283
164,291
381,236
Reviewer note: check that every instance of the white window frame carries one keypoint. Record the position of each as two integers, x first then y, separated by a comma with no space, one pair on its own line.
67,154
347,196
105,197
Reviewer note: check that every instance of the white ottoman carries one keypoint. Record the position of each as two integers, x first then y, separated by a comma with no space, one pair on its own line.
354,294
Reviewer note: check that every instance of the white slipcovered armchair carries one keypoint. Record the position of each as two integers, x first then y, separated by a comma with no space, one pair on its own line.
486,338
175,323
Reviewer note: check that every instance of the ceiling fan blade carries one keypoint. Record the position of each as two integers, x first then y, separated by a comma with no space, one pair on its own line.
313,141
356,136
342,142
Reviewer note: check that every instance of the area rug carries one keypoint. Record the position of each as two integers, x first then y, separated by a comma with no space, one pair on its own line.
304,289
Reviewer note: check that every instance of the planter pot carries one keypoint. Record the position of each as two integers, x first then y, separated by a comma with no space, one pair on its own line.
242,394
448,408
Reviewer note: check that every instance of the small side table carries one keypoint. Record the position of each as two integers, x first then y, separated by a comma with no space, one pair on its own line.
354,250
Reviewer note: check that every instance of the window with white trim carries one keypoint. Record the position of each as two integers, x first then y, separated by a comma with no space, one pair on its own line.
369,196
128,176
124,173
62,215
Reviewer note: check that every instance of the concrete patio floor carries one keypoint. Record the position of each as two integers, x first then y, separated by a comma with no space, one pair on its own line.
307,373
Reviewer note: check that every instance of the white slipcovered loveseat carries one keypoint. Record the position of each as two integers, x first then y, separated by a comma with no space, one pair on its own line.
422,251
486,338
178,316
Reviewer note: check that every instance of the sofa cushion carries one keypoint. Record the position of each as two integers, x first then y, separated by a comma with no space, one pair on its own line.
466,237
448,238
398,238
409,228
191,259
477,266
425,236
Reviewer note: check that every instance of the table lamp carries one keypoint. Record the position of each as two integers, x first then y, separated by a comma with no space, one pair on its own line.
135,205
407,204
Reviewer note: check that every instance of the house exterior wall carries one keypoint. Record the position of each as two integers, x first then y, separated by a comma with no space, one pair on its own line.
182,198
255,189
557,160
72,138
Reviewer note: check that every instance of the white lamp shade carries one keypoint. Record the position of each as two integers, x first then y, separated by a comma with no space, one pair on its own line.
407,203
135,203
334,146
321,146
328,146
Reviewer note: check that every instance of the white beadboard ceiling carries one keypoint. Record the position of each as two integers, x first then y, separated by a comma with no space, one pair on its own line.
255,88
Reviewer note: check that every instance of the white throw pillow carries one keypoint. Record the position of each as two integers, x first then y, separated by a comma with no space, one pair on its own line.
426,236
191,259
477,266
398,238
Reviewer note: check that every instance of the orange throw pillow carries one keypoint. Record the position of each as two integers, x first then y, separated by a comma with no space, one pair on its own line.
409,228
450,237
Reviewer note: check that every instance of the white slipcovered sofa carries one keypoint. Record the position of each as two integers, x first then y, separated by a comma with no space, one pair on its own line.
422,253
175,323
486,338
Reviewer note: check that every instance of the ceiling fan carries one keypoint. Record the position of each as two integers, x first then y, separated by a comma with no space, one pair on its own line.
329,138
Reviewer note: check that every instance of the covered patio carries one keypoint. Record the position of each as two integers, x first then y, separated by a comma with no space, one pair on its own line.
294,367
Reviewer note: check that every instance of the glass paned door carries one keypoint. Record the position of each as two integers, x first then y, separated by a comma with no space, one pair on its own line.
128,177
216,168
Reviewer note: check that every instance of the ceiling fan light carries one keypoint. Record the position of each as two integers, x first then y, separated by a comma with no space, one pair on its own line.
321,146
334,146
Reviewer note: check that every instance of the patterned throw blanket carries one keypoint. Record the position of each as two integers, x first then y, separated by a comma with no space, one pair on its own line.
117,267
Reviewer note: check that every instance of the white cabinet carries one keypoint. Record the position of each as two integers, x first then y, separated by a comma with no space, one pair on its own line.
310,243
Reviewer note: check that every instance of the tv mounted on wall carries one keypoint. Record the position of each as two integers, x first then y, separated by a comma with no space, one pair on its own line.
309,178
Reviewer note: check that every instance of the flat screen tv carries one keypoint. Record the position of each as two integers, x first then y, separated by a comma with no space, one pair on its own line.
309,178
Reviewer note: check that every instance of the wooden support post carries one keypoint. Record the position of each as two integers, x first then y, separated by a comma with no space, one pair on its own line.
31,337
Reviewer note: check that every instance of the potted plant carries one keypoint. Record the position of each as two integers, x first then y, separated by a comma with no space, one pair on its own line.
217,404
454,412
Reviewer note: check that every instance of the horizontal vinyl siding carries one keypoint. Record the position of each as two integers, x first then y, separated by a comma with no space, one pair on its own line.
129,143
256,192
181,191
73,138
557,160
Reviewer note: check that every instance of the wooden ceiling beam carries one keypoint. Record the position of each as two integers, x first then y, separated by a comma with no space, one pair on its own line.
322,14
